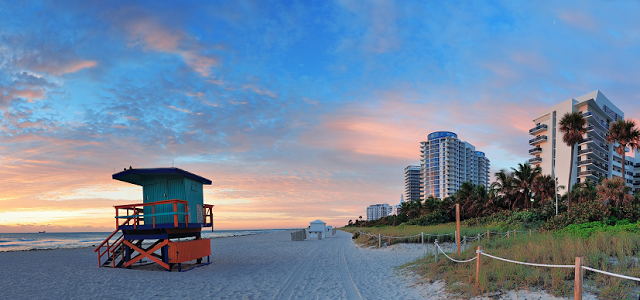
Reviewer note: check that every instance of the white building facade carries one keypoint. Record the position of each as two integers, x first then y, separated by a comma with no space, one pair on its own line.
593,158
412,183
378,211
447,162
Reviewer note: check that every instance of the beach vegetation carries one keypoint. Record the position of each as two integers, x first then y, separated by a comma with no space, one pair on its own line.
613,248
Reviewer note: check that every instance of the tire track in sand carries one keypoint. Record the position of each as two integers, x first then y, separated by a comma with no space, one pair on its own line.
347,280
286,291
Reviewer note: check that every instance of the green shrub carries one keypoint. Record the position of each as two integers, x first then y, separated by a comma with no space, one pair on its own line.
434,218
585,230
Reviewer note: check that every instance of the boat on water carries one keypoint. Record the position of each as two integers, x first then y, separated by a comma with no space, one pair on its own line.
42,231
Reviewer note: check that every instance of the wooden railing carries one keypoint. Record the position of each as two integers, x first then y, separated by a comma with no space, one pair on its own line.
208,212
138,212
110,248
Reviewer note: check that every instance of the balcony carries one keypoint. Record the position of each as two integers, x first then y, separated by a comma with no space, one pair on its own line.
538,140
583,151
538,129
599,156
598,145
593,119
535,160
593,164
589,139
596,133
593,175
535,151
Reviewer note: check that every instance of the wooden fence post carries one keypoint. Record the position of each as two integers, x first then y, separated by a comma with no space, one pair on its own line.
379,241
478,236
514,233
422,238
488,234
455,240
464,240
458,227
478,261
577,290
529,232
436,244
508,234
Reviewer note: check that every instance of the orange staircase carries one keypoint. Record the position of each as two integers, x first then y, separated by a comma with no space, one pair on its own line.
113,249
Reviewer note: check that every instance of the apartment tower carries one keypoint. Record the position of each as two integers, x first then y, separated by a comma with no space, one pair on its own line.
378,211
447,162
412,183
593,158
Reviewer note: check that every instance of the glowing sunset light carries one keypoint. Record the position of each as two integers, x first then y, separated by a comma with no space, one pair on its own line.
295,111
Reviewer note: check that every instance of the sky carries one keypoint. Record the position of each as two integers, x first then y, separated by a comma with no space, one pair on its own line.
296,110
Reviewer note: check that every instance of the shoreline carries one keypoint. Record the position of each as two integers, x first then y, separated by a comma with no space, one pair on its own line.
103,235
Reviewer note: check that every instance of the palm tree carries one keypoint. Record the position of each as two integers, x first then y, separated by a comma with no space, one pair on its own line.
614,191
543,186
625,134
430,205
465,196
523,180
584,191
572,126
479,206
503,187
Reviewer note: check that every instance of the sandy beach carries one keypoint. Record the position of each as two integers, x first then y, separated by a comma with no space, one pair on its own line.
264,266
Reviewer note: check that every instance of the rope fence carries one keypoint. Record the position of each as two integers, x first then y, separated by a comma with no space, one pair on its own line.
427,237
578,267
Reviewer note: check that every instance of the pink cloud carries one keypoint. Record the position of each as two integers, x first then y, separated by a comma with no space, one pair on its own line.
78,65
580,19
149,32
180,109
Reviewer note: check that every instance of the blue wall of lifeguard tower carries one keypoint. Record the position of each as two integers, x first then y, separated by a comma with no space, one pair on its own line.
167,187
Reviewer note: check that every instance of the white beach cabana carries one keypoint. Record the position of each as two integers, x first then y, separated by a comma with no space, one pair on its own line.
318,227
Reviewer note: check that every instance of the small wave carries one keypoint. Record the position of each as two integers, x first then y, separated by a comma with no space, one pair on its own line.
90,241
26,240
6,241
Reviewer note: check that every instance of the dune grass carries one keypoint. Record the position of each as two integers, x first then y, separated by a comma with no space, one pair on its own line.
612,252
412,230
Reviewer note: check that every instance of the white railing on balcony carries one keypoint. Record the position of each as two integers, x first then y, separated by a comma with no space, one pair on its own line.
541,138
539,128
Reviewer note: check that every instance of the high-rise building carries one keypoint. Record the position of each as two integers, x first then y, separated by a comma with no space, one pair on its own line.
412,182
447,162
378,211
594,157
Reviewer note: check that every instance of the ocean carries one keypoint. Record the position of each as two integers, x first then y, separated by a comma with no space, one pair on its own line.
56,240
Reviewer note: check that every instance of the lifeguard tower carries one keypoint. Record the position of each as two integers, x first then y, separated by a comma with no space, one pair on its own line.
172,208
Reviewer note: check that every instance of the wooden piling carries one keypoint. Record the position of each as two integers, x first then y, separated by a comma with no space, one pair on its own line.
577,290
464,240
458,227
478,261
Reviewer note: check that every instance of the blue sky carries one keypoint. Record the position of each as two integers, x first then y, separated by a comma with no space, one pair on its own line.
297,110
